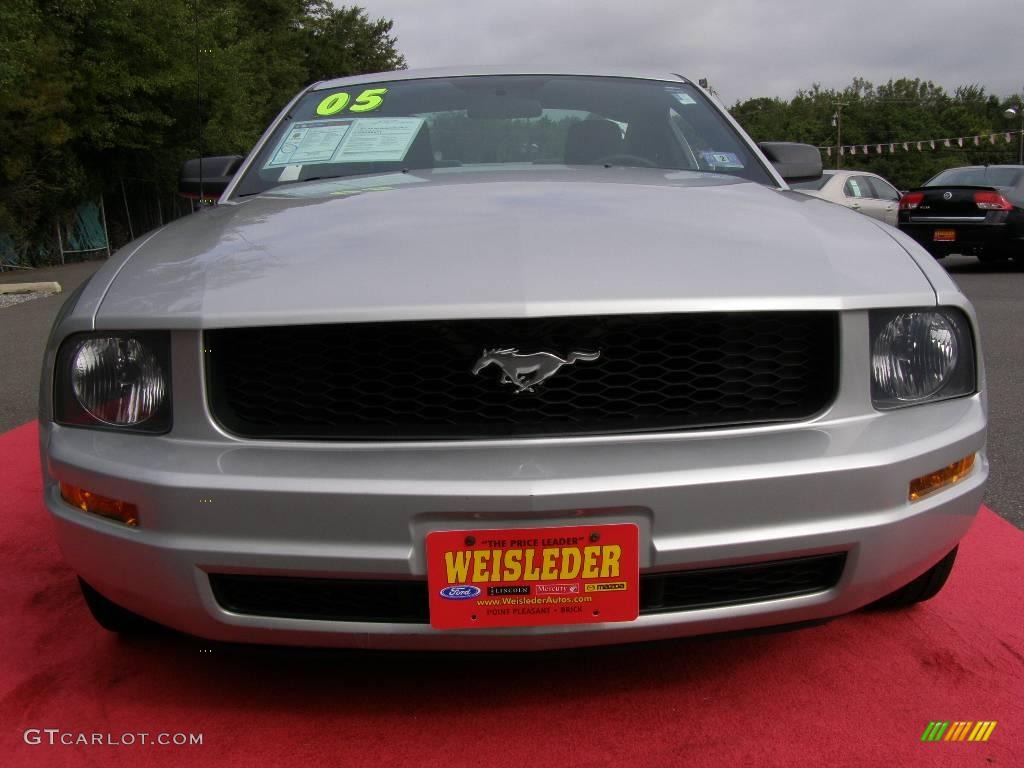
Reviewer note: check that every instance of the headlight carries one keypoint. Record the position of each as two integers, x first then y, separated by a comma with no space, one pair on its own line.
920,356
114,380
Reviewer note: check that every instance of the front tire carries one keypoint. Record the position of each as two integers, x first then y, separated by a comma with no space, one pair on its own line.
111,616
924,587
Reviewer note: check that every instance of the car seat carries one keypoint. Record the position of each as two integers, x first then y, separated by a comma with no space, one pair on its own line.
591,140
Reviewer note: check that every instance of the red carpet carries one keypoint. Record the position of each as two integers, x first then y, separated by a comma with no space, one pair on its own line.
857,692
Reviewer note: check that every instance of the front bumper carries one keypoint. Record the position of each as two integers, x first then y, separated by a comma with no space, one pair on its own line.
211,504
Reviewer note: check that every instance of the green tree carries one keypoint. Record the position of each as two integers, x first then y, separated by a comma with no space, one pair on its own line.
95,91
903,110
345,41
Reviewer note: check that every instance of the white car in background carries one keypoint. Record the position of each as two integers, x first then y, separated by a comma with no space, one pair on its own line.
868,193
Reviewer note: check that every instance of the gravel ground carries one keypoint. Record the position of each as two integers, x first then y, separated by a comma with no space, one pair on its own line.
10,299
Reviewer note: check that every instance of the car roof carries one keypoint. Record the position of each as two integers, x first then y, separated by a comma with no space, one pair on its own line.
854,172
470,71
848,172
972,167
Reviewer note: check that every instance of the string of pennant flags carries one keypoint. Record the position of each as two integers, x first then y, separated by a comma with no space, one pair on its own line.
910,146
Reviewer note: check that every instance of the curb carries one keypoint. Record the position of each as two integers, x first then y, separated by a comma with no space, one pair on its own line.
51,287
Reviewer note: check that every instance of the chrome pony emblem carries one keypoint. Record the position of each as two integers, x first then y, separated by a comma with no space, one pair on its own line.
525,372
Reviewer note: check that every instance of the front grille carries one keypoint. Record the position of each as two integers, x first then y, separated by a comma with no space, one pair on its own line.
406,602
414,380
738,584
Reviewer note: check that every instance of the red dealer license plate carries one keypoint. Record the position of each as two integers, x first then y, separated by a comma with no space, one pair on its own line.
528,577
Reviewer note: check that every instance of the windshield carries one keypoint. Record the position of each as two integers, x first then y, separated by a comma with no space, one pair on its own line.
977,177
513,123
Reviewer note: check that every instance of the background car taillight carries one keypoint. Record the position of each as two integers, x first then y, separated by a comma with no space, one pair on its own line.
992,201
911,200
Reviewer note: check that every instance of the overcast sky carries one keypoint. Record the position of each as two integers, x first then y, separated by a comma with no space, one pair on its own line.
744,47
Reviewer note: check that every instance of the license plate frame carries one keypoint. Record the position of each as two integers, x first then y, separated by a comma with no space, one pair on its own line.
575,574
944,236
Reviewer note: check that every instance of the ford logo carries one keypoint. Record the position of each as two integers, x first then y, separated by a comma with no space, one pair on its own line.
460,592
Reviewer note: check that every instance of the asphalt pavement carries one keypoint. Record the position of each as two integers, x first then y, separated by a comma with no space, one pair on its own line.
996,291
24,329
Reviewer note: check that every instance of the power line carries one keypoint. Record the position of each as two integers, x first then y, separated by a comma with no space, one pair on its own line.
955,142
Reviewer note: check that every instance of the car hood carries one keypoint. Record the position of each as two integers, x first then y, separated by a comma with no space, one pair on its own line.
469,244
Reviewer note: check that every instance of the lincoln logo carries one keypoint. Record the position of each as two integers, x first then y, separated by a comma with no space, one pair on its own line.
525,372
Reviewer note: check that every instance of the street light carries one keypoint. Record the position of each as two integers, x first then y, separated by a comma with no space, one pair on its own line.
837,123
1013,112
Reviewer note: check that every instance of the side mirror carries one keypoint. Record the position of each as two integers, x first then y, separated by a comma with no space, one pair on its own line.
215,172
794,162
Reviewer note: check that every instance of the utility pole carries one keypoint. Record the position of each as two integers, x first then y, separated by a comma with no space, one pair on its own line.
1012,113
837,123
199,100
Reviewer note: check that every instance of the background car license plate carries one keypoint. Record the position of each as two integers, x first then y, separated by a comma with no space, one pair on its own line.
945,235
525,577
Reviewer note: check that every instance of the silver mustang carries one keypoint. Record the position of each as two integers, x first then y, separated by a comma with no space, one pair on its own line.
510,360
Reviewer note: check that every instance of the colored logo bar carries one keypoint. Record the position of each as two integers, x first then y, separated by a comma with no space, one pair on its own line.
959,730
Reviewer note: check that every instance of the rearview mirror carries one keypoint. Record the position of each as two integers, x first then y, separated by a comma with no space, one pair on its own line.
207,177
794,162
507,107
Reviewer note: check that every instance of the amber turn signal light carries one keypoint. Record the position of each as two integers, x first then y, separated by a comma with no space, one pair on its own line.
104,506
940,478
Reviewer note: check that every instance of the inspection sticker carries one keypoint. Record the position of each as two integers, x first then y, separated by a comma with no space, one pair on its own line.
721,159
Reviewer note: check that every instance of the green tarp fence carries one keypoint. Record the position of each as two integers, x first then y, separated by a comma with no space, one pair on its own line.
86,232
80,232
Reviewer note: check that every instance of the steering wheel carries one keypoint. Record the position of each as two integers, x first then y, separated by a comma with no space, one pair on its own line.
632,160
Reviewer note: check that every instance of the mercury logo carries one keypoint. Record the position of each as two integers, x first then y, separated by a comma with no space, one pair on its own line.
558,589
